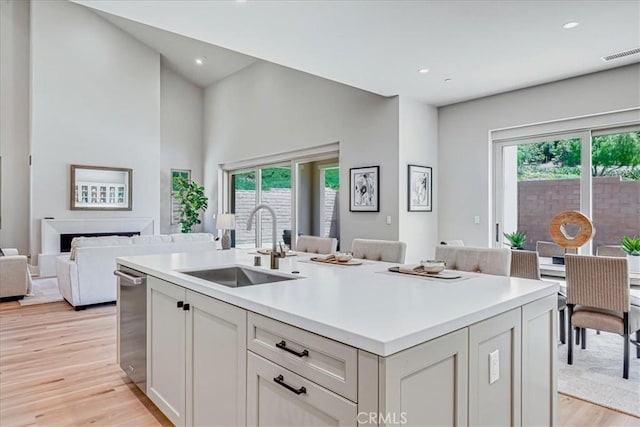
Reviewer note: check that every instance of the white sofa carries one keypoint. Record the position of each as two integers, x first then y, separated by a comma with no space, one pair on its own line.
85,276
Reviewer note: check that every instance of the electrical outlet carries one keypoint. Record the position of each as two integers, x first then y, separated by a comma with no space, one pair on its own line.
494,366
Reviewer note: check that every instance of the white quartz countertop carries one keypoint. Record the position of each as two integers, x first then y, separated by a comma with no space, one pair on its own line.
363,306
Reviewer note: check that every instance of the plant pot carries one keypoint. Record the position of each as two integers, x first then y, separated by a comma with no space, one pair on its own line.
634,263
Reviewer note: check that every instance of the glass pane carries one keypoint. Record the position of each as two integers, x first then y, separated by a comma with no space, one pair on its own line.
243,193
615,170
276,193
540,181
330,212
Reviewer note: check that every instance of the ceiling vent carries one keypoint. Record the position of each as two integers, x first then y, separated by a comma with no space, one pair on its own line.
622,54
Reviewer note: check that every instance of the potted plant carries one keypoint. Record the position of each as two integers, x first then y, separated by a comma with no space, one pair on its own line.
631,246
192,202
516,239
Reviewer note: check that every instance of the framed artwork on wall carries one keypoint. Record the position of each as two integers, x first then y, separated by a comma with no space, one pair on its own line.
101,188
364,187
420,188
175,204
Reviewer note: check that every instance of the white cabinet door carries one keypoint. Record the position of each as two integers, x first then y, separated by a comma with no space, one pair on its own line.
494,388
539,381
216,362
426,385
278,397
166,322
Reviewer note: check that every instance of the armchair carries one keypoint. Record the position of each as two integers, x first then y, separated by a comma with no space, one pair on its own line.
15,280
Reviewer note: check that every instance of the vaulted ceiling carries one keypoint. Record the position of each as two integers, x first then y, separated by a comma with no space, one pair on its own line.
483,47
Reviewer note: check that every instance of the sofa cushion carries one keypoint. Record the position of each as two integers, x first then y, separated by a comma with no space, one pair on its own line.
150,239
82,242
192,237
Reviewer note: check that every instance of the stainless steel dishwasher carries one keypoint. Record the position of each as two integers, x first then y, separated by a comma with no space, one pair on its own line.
132,315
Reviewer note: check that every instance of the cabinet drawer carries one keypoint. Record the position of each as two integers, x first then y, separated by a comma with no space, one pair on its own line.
322,360
278,397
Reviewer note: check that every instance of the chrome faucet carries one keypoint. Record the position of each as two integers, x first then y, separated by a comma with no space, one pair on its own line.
275,255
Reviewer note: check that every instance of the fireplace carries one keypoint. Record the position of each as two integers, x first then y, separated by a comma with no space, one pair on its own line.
66,238
52,230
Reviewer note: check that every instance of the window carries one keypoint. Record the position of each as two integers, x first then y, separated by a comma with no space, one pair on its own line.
595,171
303,191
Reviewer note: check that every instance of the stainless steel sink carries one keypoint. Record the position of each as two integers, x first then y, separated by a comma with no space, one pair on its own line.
236,277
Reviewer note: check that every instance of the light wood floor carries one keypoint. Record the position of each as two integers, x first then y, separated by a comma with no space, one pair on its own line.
58,368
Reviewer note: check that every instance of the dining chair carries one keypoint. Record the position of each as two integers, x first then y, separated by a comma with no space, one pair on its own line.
526,265
598,298
551,249
610,250
316,245
496,261
379,250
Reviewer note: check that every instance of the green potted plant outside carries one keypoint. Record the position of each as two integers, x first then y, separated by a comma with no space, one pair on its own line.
192,202
631,246
516,239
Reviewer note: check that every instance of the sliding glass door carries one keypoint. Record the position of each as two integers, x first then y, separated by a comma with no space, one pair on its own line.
596,173
615,171
275,191
302,192
244,197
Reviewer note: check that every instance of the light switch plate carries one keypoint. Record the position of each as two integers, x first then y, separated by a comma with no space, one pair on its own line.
388,219
494,366
476,219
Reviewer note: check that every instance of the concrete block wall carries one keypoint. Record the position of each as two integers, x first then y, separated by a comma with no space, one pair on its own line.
280,200
616,207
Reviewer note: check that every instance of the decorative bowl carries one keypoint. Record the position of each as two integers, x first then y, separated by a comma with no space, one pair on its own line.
343,256
433,266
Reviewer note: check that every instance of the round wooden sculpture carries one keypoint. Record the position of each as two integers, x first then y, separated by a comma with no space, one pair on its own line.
558,231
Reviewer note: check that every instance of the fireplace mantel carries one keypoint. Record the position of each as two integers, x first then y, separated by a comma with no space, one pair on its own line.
52,228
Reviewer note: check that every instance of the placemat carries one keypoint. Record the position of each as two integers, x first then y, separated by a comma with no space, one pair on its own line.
394,271
336,262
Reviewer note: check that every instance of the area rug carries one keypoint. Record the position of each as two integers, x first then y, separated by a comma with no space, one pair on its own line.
596,373
44,291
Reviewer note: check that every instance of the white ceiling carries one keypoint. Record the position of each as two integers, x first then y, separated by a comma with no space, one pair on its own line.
485,47
179,52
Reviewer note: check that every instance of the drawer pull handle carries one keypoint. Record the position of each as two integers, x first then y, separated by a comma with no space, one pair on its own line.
280,380
283,345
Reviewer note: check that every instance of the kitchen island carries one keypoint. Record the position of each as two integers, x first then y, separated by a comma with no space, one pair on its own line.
346,345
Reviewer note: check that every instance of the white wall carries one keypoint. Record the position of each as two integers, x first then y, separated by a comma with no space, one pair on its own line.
266,109
181,148
418,146
464,150
14,124
95,100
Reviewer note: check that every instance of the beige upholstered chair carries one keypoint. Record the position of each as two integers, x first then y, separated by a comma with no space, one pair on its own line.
14,275
551,249
379,250
610,250
526,264
598,298
494,261
316,245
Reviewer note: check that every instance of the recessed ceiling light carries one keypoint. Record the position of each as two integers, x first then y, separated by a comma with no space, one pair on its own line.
570,25
447,80
201,60
423,70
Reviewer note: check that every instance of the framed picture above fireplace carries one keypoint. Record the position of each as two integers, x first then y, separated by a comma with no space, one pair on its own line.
100,188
